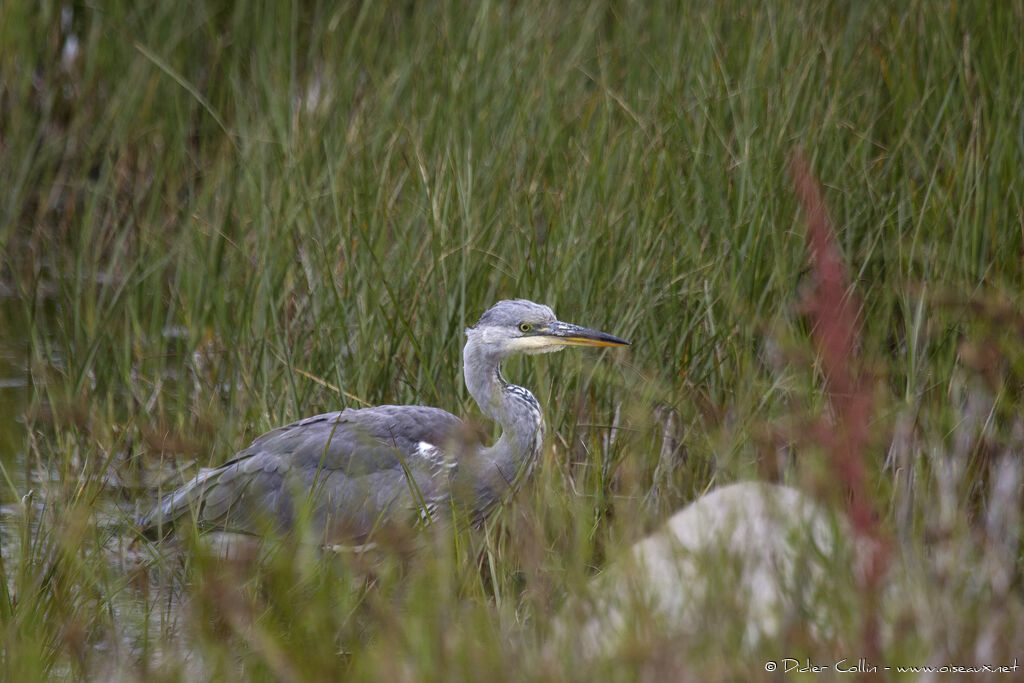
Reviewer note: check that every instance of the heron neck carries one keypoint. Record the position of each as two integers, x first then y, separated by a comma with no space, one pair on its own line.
511,406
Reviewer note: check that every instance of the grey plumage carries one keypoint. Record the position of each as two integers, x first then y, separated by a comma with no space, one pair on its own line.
355,471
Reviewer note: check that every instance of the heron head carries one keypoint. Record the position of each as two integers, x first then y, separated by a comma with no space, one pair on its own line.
521,326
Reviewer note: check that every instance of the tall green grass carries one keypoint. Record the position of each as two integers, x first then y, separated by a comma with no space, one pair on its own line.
215,219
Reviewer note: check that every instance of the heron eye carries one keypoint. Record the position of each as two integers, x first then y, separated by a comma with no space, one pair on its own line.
525,327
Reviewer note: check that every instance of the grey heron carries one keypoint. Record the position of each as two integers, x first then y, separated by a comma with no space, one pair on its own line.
356,471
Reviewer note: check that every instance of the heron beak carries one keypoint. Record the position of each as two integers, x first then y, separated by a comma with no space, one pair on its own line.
574,335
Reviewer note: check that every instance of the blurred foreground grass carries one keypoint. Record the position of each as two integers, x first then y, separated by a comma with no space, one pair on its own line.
215,219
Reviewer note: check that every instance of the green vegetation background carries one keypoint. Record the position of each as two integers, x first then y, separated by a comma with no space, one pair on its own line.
216,218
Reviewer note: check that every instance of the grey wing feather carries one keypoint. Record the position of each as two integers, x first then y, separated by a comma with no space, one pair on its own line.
358,468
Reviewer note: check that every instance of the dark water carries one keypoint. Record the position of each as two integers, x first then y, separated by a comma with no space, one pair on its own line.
14,398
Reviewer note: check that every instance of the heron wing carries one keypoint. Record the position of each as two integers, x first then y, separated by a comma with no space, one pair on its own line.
352,470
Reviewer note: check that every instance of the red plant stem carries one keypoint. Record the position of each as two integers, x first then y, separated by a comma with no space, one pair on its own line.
834,309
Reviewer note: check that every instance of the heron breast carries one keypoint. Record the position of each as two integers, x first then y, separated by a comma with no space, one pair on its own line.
435,458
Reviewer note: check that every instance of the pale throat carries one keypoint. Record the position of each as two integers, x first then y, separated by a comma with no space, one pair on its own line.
513,407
